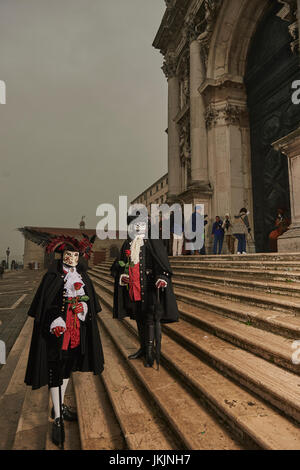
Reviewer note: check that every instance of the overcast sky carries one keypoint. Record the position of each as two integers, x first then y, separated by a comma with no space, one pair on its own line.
86,109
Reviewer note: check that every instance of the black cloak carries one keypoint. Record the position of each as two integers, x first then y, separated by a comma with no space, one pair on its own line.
46,307
154,265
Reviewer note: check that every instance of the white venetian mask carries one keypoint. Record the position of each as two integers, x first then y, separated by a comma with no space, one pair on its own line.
140,229
71,258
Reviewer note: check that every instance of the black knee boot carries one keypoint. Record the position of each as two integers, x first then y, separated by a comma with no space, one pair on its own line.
149,345
141,351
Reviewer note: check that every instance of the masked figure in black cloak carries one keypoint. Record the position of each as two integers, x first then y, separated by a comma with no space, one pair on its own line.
65,336
143,289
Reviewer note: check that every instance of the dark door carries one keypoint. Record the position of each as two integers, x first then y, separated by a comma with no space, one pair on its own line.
271,69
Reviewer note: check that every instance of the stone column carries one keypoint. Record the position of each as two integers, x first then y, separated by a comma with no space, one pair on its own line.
174,165
229,151
290,146
199,160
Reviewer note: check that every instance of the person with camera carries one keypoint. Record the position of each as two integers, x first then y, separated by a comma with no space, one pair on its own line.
218,234
227,227
241,229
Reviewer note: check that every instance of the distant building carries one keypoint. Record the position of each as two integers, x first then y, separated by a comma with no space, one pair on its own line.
157,193
35,256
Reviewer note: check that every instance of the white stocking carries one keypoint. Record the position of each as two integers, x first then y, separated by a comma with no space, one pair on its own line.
54,392
63,389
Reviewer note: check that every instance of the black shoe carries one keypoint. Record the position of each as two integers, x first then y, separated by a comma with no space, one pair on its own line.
149,356
58,433
137,355
68,415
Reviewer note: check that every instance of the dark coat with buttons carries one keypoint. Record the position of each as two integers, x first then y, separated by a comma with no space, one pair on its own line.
154,265
46,306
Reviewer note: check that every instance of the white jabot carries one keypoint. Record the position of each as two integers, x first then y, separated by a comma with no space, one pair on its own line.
71,278
135,248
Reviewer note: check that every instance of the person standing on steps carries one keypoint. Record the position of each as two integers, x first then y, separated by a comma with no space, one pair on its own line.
227,227
241,228
65,335
143,288
218,234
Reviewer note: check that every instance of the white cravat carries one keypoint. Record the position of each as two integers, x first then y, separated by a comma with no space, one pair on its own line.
71,278
135,248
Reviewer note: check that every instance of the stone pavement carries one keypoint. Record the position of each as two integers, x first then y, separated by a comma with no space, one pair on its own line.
17,289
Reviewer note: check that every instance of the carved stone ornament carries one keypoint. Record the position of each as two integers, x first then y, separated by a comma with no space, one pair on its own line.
289,13
185,149
200,27
169,66
227,114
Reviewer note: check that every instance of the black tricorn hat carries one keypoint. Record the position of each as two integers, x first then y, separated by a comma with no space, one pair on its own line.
142,218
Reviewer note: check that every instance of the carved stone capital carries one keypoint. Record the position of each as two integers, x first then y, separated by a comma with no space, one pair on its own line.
224,114
170,66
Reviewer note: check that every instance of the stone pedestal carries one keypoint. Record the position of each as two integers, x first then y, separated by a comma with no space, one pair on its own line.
290,147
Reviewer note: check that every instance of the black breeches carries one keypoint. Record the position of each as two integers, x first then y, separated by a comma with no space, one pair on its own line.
59,370
145,318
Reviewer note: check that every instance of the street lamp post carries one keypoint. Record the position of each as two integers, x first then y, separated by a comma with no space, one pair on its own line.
7,256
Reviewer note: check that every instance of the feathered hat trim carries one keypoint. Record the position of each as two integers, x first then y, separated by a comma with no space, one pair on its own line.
62,243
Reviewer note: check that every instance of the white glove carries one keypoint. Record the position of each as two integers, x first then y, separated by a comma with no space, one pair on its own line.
124,280
161,284
57,322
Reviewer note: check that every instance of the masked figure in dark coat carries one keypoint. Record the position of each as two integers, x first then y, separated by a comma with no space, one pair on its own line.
65,335
143,289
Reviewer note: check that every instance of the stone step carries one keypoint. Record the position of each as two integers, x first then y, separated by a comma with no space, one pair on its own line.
284,324
141,424
263,378
277,386
279,323
99,429
13,388
267,275
276,302
193,426
278,257
243,264
33,422
102,275
252,419
271,347
270,287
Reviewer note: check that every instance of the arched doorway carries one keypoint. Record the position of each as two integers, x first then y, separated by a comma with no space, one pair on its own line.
271,69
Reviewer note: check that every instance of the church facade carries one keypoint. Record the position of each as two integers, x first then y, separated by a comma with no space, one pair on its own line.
233,128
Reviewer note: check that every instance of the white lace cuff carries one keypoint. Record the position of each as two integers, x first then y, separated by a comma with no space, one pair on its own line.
161,280
57,322
82,315
121,282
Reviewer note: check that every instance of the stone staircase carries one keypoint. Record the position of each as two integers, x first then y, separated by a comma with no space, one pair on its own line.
227,379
